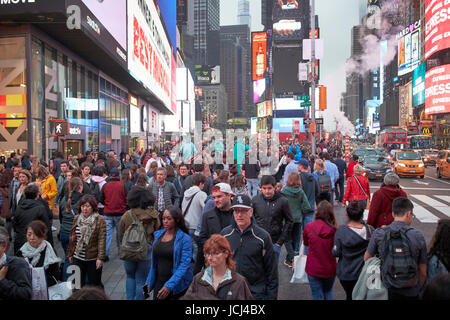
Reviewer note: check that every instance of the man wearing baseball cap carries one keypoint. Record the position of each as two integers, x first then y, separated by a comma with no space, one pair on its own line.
256,260
214,220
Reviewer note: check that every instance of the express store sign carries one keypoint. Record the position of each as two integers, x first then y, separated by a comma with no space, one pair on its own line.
149,49
437,92
437,27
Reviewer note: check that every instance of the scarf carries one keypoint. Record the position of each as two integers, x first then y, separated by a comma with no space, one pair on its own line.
34,254
87,227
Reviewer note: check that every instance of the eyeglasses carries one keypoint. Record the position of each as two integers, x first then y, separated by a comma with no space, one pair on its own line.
212,254
242,210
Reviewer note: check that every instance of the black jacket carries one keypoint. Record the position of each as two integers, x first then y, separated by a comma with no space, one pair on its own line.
342,167
255,259
51,272
251,170
273,215
27,211
310,187
17,283
50,219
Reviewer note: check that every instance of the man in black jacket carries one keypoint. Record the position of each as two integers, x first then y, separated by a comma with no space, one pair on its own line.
214,220
28,210
256,260
342,168
251,175
15,275
273,213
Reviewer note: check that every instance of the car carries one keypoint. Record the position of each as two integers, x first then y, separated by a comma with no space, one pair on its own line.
408,163
430,157
443,164
376,167
364,152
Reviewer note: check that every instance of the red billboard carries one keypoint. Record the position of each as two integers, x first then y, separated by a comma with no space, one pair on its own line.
259,55
437,19
437,92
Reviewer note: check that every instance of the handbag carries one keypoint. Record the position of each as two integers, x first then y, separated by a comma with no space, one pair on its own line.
60,291
300,275
38,282
368,200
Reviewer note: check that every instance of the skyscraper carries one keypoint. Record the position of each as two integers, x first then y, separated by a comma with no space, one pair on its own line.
244,13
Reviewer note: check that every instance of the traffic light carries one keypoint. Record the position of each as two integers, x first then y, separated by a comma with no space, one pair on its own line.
322,98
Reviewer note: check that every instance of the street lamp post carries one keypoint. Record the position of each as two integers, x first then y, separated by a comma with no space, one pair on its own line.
313,80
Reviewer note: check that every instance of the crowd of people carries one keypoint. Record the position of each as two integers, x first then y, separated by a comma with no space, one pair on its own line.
210,231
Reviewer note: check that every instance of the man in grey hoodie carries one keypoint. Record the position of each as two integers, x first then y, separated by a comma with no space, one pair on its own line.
192,206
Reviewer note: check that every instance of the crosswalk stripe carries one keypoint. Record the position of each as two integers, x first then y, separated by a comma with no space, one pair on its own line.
441,207
423,215
445,198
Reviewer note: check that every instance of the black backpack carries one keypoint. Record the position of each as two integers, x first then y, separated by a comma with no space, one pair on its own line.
398,267
324,182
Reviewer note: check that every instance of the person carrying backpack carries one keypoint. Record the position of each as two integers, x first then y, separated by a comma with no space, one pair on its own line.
403,253
323,179
136,230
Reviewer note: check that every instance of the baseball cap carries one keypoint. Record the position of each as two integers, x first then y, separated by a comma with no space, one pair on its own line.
241,201
297,157
114,172
303,162
223,187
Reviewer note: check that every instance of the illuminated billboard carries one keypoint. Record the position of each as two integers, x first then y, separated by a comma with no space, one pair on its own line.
286,125
409,48
437,26
206,75
259,88
371,107
437,92
259,55
290,20
419,85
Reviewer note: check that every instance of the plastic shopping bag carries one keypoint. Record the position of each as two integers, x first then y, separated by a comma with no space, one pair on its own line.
300,275
60,291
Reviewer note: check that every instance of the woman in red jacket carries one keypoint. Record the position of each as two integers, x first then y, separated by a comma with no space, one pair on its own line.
321,264
357,188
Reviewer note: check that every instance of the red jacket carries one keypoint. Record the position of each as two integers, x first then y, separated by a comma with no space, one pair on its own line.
319,236
353,190
380,212
114,197
350,171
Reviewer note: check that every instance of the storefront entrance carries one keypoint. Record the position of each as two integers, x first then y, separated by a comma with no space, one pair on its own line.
72,147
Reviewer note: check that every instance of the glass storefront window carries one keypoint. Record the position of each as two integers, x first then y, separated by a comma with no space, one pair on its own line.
51,84
37,106
13,106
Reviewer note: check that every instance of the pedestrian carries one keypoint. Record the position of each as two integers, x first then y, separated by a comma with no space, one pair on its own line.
113,197
171,274
154,158
10,161
252,171
439,253
125,178
437,288
15,275
350,244
321,265
351,165
164,191
239,185
256,259
357,188
272,212
39,253
61,181
98,180
69,207
196,168
380,211
291,167
333,171
192,207
323,179
403,253
112,162
57,164
90,294
127,162
73,163
342,168
140,200
48,184
25,179
182,174
214,220
6,176
86,168
142,180
29,209
298,202
219,281
88,241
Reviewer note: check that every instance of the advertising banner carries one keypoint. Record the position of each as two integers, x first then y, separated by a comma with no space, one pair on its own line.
419,85
259,87
287,124
437,26
402,106
149,51
409,48
206,75
259,55
437,92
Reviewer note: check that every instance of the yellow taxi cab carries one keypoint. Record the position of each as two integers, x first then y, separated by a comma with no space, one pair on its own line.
430,156
408,163
443,164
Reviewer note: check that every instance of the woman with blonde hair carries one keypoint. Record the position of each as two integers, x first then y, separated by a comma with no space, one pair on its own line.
357,188
48,184
323,179
219,277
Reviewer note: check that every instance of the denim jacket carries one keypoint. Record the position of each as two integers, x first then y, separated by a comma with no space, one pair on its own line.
435,267
181,273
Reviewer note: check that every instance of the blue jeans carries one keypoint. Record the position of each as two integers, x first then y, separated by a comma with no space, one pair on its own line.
252,185
112,222
321,288
307,218
194,244
64,238
277,250
137,273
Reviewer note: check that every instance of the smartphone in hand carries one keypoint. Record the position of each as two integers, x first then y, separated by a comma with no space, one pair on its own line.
146,291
